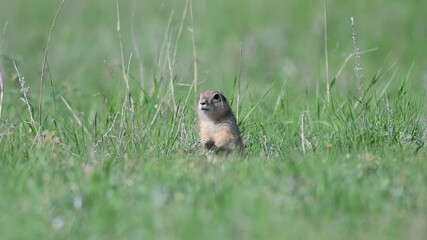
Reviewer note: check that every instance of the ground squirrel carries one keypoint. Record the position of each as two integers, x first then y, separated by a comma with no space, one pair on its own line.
219,133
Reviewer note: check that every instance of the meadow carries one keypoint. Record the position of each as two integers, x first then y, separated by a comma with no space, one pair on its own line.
99,138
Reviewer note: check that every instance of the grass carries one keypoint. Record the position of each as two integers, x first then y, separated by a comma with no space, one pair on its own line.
113,152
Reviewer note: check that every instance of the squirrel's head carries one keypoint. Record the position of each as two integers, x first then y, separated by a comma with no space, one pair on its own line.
213,104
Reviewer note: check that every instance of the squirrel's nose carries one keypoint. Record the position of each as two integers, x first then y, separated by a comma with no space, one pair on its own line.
203,102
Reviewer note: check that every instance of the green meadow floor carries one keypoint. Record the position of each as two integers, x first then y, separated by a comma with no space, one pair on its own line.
99,137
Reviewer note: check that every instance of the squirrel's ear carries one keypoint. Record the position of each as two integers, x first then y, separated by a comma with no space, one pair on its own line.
223,98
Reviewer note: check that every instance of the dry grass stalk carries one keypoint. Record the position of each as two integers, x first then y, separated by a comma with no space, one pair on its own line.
46,51
24,98
1,91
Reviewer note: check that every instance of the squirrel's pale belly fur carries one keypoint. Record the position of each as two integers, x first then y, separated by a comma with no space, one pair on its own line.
220,133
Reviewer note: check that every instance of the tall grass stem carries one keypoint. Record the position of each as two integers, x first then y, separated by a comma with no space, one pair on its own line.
325,30
45,57
193,43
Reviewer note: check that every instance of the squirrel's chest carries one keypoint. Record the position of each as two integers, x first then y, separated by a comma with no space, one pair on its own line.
212,129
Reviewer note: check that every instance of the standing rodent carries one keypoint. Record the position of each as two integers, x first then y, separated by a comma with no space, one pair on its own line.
219,133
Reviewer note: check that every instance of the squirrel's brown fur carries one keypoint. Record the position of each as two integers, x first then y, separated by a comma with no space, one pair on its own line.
219,133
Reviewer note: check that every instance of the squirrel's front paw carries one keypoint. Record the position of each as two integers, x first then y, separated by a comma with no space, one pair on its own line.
208,144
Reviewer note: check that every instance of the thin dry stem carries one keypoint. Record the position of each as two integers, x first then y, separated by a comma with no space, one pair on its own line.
358,74
325,25
390,129
46,51
357,67
161,63
75,115
1,70
135,45
108,131
3,33
171,59
24,98
193,84
193,41
181,26
238,81
128,96
171,67
132,106
348,59
170,62
256,104
1,91
302,131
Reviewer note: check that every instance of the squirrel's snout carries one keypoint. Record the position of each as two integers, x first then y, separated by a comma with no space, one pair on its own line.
203,104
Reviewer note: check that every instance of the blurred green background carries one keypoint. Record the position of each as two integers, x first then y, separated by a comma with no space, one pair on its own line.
280,39
144,177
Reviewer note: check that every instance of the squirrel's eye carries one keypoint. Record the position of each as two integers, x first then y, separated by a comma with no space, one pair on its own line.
216,96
